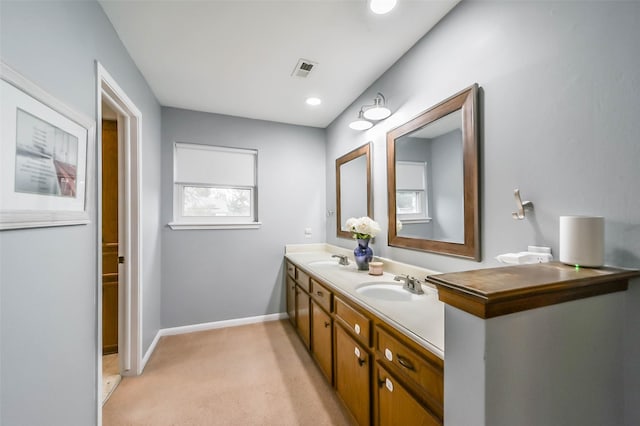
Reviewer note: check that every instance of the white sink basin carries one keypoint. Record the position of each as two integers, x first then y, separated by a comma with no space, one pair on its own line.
387,291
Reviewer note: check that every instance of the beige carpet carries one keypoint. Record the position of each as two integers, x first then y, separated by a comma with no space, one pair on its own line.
258,374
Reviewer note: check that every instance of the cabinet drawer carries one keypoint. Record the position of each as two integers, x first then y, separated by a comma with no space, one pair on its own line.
357,322
321,295
291,270
303,280
424,374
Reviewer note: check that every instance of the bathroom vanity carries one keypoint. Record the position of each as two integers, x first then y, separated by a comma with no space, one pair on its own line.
527,345
380,346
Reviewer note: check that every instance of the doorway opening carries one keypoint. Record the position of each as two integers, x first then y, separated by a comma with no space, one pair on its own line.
119,241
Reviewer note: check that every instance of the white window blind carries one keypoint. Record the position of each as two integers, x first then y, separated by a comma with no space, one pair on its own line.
209,165
410,175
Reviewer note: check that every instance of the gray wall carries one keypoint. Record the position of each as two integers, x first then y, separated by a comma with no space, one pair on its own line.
214,275
559,107
447,191
48,278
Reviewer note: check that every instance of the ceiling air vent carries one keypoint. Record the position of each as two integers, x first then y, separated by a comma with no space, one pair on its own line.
303,68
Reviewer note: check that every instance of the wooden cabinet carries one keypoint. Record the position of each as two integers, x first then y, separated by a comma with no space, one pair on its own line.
322,339
352,375
291,300
298,301
396,406
303,318
382,376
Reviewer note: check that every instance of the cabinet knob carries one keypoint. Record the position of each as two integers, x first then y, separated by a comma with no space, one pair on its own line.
319,293
326,324
386,382
362,362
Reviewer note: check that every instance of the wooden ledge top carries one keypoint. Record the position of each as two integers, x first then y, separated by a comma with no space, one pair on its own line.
489,293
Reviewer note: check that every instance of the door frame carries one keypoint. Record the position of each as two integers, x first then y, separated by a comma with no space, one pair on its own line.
130,196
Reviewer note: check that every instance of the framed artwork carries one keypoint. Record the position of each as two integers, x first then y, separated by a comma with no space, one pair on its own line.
46,153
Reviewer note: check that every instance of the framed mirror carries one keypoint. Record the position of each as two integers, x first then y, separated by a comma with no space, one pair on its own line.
353,187
432,179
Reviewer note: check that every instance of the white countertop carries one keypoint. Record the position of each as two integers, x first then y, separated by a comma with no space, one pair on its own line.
421,319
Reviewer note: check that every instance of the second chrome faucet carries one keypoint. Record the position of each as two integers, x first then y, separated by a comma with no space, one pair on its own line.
344,260
410,283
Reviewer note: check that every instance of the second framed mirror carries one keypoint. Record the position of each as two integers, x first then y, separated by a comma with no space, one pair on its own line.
353,187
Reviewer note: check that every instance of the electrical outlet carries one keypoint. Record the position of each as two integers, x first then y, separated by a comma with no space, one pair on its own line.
307,232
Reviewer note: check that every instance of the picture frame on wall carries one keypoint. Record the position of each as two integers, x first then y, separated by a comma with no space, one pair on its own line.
46,157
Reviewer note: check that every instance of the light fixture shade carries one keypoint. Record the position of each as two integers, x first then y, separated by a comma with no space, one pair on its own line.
380,7
360,123
378,111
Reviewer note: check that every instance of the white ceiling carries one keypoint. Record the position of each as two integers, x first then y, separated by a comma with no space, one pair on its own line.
237,57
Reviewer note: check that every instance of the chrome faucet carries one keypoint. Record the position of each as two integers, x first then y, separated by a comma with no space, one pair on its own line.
344,260
410,283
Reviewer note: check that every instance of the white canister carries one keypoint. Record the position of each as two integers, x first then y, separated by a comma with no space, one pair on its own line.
582,240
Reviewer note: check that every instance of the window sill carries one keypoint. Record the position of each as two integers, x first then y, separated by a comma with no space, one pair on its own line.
186,226
421,220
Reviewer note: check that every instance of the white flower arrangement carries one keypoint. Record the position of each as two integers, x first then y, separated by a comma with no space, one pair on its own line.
362,227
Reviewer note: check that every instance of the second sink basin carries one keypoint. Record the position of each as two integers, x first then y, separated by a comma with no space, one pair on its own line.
387,291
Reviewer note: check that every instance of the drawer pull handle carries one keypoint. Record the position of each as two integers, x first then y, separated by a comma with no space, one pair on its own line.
405,363
319,293
326,324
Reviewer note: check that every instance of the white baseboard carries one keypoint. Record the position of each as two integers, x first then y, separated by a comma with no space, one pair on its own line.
172,331
152,347
221,324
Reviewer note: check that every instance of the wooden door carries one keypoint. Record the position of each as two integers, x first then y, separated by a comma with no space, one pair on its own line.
397,407
109,237
322,340
352,376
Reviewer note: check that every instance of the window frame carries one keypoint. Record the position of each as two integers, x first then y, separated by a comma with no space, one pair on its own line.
182,221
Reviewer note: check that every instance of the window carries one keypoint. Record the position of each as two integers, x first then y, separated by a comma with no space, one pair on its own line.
214,187
411,191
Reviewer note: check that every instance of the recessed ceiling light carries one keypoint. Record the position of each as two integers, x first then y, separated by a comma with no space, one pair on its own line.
380,7
313,101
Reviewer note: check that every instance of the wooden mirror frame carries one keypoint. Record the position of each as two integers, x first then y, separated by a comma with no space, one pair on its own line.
465,100
364,150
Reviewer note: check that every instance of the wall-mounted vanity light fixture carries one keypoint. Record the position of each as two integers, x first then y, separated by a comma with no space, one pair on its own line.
374,112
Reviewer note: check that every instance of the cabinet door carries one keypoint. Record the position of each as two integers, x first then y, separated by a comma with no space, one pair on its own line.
303,318
397,407
352,376
322,343
291,300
